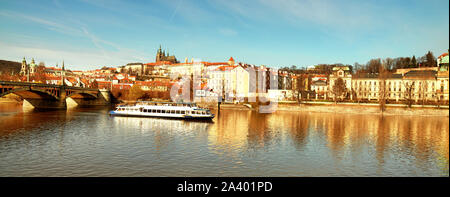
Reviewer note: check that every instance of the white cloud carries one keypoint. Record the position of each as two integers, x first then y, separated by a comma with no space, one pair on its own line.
227,32
51,25
334,14
119,55
73,59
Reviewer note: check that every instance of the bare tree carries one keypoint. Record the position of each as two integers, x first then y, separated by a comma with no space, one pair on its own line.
40,75
383,88
135,93
300,86
408,92
423,89
339,89
388,64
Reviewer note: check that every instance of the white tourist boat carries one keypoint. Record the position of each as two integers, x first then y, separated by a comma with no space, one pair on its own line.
164,110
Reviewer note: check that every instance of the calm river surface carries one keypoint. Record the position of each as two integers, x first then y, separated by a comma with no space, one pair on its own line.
88,142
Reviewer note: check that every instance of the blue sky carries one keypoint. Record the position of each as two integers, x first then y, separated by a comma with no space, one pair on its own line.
87,34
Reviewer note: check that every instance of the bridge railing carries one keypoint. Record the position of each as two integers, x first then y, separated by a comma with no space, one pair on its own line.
13,83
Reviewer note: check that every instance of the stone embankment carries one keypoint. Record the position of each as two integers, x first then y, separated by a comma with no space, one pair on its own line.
366,109
348,108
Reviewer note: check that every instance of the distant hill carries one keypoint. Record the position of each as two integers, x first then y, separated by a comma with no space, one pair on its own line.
10,66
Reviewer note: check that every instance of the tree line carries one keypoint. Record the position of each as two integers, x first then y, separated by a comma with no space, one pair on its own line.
372,66
392,64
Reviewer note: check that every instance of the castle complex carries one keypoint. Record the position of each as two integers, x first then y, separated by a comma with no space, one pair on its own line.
162,56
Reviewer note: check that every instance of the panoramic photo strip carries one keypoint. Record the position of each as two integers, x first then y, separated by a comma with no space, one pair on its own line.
251,89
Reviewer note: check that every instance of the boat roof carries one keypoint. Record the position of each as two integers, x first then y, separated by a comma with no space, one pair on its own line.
165,102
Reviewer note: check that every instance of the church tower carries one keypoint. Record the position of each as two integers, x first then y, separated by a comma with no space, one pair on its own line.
32,67
63,72
24,69
231,61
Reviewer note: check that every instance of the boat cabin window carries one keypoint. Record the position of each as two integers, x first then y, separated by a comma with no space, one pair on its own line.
183,112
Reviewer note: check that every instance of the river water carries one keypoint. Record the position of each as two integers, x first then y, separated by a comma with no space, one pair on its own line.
89,142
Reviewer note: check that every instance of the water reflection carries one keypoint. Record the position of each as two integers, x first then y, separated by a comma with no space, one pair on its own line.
162,129
388,140
88,142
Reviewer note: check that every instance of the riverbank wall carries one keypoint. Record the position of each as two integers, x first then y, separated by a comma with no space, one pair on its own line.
327,107
350,108
365,109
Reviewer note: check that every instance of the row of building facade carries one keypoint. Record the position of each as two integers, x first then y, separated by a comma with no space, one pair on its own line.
235,81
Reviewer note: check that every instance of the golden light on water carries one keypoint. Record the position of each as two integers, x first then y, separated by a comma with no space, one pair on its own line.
236,143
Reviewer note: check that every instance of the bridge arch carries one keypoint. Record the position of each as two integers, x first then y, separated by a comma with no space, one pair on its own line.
82,94
30,93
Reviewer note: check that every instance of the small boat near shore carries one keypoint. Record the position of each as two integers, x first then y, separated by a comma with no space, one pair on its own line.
163,110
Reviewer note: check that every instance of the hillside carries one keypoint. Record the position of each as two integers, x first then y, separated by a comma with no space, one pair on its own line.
9,66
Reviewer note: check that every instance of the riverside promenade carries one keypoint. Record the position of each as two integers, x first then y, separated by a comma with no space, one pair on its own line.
349,108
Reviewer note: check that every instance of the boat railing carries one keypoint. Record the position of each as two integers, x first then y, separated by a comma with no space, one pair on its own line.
153,103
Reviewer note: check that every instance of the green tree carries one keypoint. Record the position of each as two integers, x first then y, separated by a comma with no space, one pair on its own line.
430,60
414,62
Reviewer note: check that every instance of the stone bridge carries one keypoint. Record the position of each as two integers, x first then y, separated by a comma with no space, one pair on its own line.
38,95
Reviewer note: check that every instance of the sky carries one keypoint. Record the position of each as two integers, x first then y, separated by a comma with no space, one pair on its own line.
88,34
